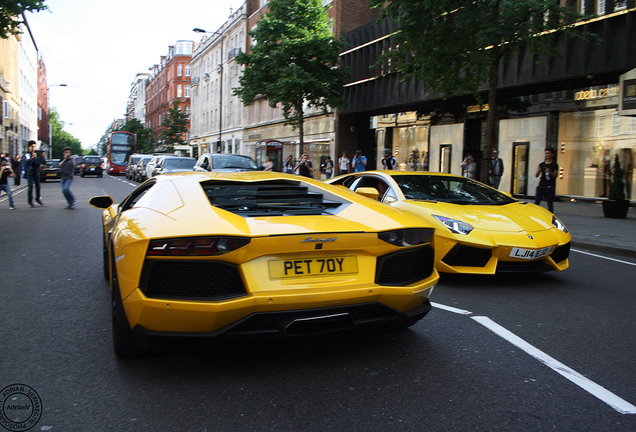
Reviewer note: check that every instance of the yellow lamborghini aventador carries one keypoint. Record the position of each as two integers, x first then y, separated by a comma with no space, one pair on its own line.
478,229
259,253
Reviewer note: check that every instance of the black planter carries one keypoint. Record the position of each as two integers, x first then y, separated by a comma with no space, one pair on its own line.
615,209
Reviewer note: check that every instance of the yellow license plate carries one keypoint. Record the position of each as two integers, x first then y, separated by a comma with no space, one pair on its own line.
50,174
312,267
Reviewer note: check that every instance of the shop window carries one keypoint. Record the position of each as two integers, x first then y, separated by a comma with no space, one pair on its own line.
620,4
616,124
445,153
600,126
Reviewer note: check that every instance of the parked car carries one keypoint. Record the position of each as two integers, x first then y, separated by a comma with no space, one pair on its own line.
133,160
172,164
152,165
480,230
139,173
78,163
91,165
50,170
225,163
259,254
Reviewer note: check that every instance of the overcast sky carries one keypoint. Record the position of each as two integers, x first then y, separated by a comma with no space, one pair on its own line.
97,47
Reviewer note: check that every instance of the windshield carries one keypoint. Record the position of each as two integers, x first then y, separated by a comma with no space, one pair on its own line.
181,163
230,161
457,190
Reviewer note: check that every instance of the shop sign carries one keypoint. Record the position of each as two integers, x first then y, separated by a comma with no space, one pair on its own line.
476,108
627,100
610,90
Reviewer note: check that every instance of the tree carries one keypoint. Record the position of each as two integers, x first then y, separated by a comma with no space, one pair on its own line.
144,135
294,62
455,46
10,10
61,138
176,124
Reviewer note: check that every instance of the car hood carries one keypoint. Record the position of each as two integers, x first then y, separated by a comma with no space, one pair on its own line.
514,217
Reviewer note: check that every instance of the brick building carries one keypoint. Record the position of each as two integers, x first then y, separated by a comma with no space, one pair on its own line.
168,81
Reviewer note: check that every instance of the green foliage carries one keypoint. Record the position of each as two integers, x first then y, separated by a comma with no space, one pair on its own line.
144,135
61,138
10,12
295,60
454,46
617,186
92,152
176,124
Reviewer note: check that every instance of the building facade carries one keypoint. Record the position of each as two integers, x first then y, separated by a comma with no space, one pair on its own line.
28,89
167,82
136,105
217,116
44,125
9,97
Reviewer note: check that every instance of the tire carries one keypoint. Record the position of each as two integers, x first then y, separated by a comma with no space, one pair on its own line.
124,342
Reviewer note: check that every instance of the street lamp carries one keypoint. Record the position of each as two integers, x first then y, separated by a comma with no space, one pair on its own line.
48,90
198,30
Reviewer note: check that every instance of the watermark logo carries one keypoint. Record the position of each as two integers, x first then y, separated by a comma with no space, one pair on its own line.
20,407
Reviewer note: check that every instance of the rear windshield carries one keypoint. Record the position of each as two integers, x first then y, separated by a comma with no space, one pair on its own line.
184,163
272,198
92,160
231,161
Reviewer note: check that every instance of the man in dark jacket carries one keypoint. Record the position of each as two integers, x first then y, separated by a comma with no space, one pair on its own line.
67,166
31,163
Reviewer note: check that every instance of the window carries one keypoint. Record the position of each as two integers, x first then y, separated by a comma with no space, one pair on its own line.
5,109
600,126
620,4
600,7
187,91
616,124
179,70
187,70
179,90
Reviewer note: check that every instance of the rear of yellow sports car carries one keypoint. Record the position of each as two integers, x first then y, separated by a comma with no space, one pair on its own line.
263,254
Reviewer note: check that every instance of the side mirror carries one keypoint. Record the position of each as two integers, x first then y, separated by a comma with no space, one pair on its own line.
102,202
368,192
204,165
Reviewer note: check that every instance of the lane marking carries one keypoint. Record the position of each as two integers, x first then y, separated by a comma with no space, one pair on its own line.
451,309
604,257
619,404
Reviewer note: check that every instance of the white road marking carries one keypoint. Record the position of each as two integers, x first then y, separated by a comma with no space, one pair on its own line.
619,404
451,309
604,257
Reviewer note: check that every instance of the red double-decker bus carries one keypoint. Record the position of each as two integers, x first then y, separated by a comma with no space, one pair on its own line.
120,146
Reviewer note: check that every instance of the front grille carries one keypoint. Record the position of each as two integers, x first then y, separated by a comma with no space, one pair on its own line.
561,253
523,267
467,256
192,280
405,267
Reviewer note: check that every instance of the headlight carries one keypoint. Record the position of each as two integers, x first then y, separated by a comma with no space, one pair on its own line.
458,227
407,237
558,224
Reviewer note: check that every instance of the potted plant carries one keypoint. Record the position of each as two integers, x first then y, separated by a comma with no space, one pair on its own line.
616,206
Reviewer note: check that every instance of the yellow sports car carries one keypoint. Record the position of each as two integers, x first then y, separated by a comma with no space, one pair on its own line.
478,229
259,253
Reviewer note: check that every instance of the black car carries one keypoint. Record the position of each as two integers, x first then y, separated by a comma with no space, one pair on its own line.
91,165
50,170
139,173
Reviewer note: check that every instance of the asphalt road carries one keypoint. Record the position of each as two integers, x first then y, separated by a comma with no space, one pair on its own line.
459,369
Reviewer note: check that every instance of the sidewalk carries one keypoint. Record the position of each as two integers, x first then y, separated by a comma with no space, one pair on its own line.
592,231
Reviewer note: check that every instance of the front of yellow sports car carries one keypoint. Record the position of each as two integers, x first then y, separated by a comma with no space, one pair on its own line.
484,239
261,253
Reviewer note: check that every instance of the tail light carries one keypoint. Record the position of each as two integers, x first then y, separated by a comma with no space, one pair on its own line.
198,246
407,237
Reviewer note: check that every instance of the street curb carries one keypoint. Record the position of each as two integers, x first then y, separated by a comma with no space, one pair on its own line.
595,247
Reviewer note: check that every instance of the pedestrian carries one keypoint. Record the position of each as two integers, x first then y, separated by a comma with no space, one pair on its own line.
343,163
15,164
304,166
31,165
269,165
359,162
469,167
548,170
5,172
496,169
328,167
288,166
67,166
388,162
